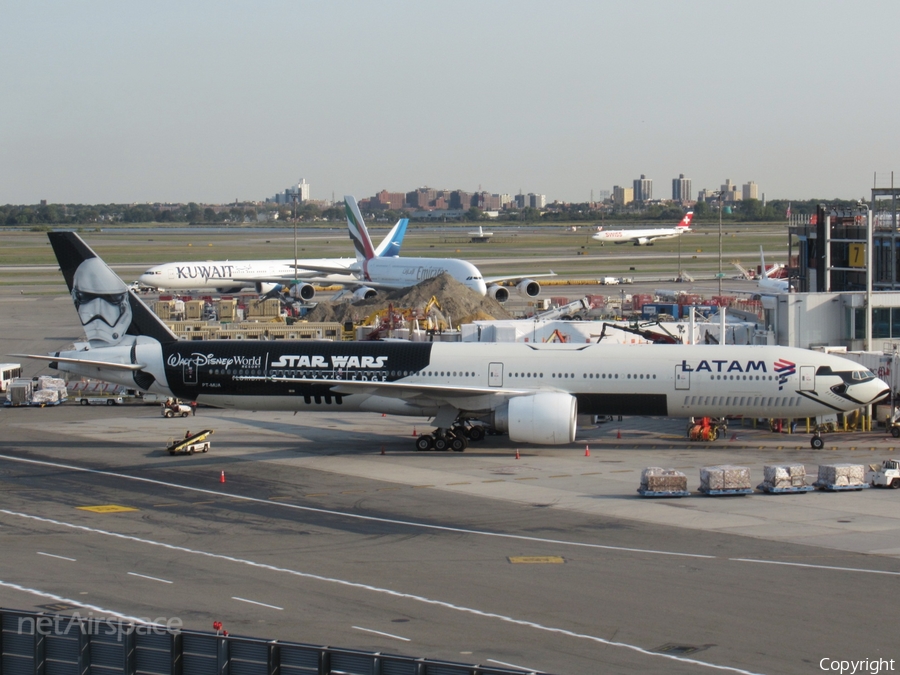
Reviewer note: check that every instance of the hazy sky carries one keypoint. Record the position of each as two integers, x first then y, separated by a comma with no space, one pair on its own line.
212,101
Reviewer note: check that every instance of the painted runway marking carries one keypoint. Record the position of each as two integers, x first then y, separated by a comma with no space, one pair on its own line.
58,598
816,567
511,665
357,516
374,589
144,576
378,632
261,604
61,557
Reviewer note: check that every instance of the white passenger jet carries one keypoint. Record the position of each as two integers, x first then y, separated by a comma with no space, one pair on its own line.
534,392
645,237
371,273
230,276
766,284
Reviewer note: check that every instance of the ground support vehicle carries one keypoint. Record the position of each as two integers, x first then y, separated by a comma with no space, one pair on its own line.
725,492
99,400
198,442
663,493
833,487
706,429
38,392
886,475
841,477
793,489
175,409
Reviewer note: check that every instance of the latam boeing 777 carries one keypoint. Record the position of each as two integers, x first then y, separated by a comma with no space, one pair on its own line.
532,391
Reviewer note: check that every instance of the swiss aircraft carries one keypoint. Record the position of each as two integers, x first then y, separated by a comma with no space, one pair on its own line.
645,237
533,392
230,276
371,273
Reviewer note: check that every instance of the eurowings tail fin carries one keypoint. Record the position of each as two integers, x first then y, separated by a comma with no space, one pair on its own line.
108,310
390,245
358,232
685,223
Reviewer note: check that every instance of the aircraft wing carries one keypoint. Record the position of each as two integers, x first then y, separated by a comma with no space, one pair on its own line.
84,362
517,277
400,390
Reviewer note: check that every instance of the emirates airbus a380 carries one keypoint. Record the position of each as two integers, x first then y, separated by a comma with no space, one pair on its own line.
645,237
532,391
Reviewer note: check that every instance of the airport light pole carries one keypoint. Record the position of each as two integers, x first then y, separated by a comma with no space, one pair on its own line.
719,275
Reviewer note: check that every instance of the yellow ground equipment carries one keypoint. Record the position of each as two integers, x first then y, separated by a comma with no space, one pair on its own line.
189,445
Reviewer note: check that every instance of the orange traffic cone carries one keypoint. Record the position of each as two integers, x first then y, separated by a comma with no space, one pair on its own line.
587,451
382,414
517,453
222,477
414,432
619,434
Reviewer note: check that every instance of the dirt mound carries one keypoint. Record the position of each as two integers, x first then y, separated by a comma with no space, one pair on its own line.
458,303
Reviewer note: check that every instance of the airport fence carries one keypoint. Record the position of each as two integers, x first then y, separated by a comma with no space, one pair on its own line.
33,643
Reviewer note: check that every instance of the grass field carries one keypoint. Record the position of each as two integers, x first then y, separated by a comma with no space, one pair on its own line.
513,250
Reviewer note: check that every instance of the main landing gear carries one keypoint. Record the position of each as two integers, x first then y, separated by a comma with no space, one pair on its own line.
456,438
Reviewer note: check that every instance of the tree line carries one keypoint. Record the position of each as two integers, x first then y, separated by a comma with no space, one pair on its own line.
749,210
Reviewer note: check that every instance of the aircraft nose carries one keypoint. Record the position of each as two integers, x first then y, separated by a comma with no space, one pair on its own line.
479,286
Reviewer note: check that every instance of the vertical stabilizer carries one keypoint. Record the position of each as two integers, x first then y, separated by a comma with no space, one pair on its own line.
390,246
685,223
762,261
108,310
358,233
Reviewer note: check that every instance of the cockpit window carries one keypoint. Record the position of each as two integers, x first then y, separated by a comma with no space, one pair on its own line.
863,375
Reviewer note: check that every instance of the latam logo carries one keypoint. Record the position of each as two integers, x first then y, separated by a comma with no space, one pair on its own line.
318,361
724,366
784,369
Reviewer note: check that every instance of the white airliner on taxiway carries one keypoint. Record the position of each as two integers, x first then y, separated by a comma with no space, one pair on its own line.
645,237
372,273
230,276
534,392
765,284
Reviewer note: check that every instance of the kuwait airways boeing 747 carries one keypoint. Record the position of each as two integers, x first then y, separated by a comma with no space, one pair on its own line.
534,392
230,276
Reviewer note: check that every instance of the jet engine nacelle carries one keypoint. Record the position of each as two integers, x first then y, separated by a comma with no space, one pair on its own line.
642,241
498,293
545,418
302,291
364,293
229,290
528,288
263,288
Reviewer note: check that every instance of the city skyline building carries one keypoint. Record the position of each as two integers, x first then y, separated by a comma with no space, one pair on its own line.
681,189
643,189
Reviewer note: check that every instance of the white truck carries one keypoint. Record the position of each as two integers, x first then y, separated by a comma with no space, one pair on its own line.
99,400
886,475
